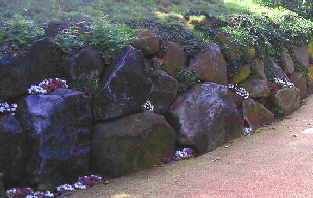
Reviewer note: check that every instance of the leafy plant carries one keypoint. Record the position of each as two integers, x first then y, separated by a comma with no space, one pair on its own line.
87,83
17,34
71,39
277,111
110,38
186,78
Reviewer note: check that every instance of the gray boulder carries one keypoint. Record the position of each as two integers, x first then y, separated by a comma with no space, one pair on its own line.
19,71
163,91
125,87
59,131
288,100
205,117
131,143
256,114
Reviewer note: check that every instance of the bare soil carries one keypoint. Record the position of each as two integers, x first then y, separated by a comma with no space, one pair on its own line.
276,161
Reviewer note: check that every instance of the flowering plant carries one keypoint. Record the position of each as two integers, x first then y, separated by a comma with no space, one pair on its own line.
47,86
87,83
185,153
158,63
83,183
278,83
147,106
8,108
28,193
239,90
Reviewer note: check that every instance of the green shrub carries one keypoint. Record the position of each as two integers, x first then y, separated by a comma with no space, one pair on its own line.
87,83
192,42
71,40
18,34
186,78
110,38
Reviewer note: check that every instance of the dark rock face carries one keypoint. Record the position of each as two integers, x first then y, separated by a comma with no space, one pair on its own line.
2,193
286,62
18,72
163,91
237,99
85,61
301,82
210,65
205,117
147,42
256,87
288,100
300,57
175,57
58,126
274,70
131,143
256,114
12,150
125,88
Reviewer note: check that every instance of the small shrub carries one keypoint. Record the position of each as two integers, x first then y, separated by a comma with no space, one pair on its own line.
277,111
186,78
71,40
87,83
17,34
110,38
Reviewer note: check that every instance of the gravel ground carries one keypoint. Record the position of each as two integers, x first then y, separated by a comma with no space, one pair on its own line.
276,161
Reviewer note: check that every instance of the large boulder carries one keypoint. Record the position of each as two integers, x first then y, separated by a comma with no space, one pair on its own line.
163,91
125,87
241,75
256,87
288,99
210,65
175,57
131,143
44,58
300,57
59,131
13,150
301,82
85,61
272,70
19,71
259,69
256,114
147,42
205,117
286,62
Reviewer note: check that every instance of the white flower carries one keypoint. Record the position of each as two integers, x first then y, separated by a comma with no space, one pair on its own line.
231,86
79,185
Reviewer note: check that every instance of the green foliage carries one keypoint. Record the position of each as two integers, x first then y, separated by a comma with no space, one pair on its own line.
186,78
110,38
17,34
71,40
277,111
87,83
192,42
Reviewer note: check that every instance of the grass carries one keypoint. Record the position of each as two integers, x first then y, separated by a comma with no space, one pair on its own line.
122,10
170,15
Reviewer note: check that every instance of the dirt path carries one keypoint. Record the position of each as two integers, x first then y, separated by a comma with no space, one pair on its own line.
270,163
